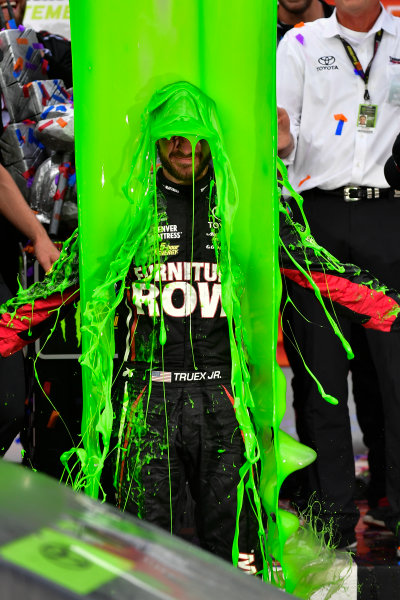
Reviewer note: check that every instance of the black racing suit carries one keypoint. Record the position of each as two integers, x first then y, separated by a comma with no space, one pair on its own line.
175,420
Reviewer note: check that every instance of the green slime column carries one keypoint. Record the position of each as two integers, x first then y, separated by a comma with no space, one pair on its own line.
229,53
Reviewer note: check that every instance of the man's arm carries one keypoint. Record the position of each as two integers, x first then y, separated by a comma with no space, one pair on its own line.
392,166
34,311
351,291
17,211
289,88
285,138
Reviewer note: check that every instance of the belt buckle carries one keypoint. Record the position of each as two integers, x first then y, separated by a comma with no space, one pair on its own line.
346,193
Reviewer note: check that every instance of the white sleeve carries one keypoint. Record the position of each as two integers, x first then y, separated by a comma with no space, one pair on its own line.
290,82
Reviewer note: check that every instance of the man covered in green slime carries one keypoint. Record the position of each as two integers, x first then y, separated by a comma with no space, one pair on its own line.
179,334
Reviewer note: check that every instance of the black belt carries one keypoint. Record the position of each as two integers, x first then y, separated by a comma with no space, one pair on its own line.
356,193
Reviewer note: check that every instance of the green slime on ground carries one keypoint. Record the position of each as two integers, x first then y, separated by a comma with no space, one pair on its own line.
230,55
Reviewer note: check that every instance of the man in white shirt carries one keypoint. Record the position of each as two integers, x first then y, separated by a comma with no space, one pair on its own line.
330,72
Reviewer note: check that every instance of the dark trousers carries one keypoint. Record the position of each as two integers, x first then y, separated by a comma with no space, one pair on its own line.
12,390
369,410
173,433
364,233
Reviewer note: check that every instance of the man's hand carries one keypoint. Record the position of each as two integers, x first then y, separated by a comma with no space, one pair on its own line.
14,207
285,140
45,251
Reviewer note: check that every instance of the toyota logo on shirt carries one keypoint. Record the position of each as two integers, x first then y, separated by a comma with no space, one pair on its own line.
327,63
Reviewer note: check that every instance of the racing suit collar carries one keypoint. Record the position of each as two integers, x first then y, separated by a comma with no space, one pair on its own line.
202,186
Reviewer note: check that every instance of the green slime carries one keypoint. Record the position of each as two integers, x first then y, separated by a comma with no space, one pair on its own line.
229,55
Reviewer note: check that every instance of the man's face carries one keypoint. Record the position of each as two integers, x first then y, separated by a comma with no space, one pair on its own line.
355,7
297,7
363,120
176,158
18,7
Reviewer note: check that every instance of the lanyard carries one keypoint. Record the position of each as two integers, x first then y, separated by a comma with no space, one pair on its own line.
351,53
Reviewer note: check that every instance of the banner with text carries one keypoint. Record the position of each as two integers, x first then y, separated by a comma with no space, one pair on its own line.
50,15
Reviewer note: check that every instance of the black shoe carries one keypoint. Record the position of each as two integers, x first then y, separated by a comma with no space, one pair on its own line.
351,547
378,516
375,496
347,541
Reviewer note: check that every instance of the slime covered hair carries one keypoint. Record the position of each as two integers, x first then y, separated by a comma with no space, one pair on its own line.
181,109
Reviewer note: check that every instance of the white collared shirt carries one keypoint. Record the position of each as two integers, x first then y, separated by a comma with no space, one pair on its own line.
316,81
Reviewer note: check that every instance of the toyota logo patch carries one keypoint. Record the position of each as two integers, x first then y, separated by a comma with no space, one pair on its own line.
326,60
